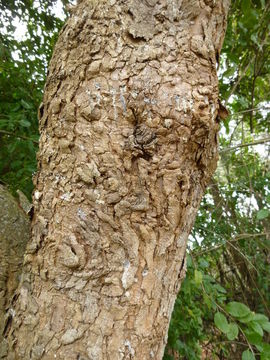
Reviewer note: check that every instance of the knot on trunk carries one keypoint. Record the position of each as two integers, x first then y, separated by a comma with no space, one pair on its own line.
144,136
143,141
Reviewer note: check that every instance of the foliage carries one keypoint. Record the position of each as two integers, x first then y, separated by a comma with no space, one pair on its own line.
23,66
223,307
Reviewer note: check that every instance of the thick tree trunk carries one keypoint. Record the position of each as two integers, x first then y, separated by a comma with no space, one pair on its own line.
128,145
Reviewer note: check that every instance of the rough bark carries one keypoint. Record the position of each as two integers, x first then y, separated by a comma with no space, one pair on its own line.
128,144
14,234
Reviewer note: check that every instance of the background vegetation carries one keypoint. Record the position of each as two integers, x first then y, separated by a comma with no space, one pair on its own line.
223,307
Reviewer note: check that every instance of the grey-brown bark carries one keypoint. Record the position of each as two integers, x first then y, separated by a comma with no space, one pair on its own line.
14,234
128,144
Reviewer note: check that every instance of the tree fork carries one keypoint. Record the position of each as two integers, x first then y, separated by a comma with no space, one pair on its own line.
128,144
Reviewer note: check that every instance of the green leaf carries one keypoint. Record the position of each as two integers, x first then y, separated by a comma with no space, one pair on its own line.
248,355
207,301
189,261
254,38
26,105
232,332
248,318
265,355
221,322
253,337
256,327
220,289
178,345
237,309
262,214
25,123
227,126
245,6
259,347
260,318
266,326
203,263
263,3
229,72
198,277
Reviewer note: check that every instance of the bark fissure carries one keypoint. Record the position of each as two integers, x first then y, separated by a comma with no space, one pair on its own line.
128,145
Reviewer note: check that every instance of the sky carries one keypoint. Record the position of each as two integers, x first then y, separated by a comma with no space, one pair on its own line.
21,29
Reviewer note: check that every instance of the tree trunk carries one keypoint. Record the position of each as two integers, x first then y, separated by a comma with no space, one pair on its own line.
14,234
128,144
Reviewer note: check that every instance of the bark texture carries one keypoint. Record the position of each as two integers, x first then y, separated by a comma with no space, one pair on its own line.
128,144
14,234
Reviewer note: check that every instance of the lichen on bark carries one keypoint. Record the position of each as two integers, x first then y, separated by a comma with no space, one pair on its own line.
128,144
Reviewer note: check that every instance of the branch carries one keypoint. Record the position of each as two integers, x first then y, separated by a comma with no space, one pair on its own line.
256,142
239,79
18,136
249,110
236,238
